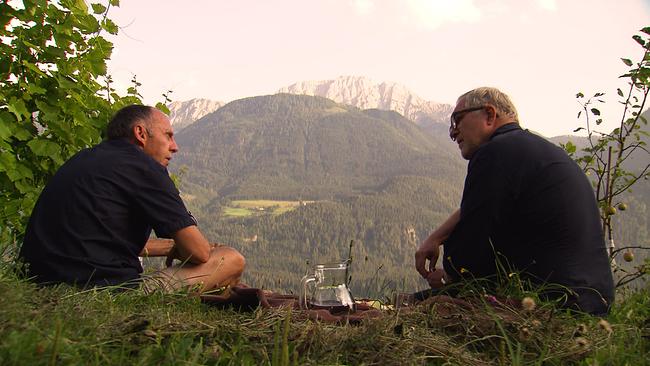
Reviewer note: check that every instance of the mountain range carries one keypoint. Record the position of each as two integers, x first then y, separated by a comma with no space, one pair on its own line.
357,91
285,145
364,93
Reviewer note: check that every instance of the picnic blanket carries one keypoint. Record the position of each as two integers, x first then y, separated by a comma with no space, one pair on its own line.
250,298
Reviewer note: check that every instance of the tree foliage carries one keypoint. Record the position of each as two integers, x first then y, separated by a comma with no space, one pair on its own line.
619,159
55,94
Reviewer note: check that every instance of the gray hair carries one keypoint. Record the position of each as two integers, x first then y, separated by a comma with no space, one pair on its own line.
121,125
494,97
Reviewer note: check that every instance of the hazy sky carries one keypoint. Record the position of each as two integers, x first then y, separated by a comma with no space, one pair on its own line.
541,52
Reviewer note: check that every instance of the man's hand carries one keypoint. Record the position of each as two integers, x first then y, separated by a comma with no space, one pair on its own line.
428,250
173,254
437,278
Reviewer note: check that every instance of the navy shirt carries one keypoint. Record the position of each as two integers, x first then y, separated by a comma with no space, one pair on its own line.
96,213
529,207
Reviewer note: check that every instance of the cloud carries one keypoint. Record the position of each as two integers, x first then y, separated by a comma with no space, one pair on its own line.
432,14
363,7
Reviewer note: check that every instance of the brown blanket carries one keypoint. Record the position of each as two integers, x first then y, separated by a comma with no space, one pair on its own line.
249,298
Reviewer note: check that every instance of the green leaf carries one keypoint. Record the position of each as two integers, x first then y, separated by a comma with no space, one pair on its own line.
55,52
110,26
67,82
19,171
21,133
81,5
569,147
24,185
627,61
163,108
620,92
6,118
638,40
98,8
578,129
34,88
18,108
42,147
87,23
114,2
580,95
5,131
99,67
34,68
46,108
7,162
595,111
646,30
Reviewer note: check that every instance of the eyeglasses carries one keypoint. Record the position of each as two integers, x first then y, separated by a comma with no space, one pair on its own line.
458,116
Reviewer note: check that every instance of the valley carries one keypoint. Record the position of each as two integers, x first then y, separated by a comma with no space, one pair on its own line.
291,180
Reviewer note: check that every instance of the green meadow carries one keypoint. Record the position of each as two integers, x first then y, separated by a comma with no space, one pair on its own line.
243,208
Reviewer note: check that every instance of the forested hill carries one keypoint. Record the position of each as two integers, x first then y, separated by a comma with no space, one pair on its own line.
296,146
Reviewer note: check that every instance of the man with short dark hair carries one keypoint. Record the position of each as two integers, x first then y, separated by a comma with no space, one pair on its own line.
526,207
94,217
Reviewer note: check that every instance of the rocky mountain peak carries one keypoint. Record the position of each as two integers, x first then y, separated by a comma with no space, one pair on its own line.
182,114
365,93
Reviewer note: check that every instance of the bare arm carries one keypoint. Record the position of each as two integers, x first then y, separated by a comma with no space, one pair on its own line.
430,247
190,246
157,248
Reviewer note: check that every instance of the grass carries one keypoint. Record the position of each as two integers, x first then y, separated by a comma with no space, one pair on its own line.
236,212
61,325
242,208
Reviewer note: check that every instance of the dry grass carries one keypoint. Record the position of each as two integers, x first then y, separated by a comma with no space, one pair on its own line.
60,325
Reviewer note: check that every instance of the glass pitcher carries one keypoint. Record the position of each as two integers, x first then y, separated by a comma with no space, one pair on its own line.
327,288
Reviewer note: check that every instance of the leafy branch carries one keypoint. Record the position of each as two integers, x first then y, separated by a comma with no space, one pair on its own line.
605,156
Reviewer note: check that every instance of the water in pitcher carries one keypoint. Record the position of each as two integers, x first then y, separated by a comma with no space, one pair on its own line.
327,288
333,298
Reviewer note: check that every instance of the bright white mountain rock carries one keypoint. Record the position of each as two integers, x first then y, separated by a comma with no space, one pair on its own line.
182,114
364,93
360,92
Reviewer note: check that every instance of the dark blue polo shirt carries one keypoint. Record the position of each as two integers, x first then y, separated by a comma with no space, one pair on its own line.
527,205
96,213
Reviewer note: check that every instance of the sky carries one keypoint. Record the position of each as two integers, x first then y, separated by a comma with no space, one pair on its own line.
540,52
